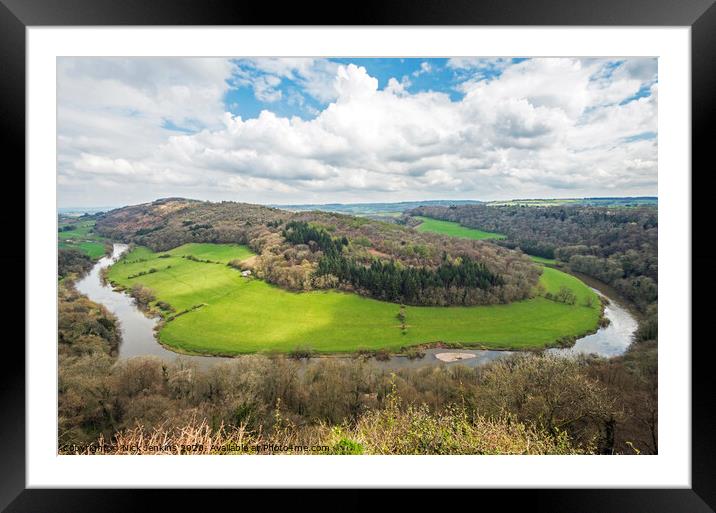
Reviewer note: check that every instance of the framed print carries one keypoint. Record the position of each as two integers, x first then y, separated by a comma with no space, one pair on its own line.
420,250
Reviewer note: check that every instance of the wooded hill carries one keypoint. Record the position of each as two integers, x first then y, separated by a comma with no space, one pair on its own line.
616,245
312,250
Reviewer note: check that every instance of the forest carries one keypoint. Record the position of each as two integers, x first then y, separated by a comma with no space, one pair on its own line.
394,282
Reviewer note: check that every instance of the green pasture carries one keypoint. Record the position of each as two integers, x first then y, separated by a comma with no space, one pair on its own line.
81,237
454,229
542,260
244,315
94,250
223,253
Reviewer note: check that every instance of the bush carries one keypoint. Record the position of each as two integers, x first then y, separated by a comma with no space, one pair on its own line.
236,264
565,295
567,341
414,353
382,355
301,352
345,446
163,305
399,429
142,295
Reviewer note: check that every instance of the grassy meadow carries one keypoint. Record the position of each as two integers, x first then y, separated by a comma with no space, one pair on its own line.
223,253
81,237
244,315
542,260
454,229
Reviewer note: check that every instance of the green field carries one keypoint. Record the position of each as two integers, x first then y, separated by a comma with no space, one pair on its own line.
81,230
454,229
542,260
223,253
243,315
81,237
94,250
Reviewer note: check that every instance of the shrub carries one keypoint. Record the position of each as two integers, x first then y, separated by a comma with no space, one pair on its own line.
414,353
566,295
142,295
382,355
163,305
236,264
346,446
299,353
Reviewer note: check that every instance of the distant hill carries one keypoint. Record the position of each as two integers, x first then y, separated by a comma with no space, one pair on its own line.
627,201
364,209
80,211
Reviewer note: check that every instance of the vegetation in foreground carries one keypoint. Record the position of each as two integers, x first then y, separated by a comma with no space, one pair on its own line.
394,429
527,404
209,307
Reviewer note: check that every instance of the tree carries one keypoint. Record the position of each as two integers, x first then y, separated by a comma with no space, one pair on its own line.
553,392
565,295
142,295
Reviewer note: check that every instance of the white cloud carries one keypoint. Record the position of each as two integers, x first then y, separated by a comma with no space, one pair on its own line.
425,67
315,76
543,127
111,116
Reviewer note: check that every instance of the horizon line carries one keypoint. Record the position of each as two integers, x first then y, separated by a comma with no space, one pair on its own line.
112,207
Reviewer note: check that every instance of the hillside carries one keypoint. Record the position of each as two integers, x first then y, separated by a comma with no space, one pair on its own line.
616,245
320,250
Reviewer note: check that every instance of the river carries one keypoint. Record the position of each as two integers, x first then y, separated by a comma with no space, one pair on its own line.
138,330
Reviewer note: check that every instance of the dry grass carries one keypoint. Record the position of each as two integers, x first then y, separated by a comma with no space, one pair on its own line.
392,430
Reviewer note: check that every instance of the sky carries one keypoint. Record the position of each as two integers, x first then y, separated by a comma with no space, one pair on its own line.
319,130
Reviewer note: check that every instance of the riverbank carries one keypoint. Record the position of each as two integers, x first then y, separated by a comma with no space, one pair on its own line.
604,289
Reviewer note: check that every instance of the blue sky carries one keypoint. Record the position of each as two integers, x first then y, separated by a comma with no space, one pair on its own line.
418,74
323,130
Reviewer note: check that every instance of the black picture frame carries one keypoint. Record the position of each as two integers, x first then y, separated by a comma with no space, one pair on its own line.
700,15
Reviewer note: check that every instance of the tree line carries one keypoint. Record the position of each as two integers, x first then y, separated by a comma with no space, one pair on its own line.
391,281
300,232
